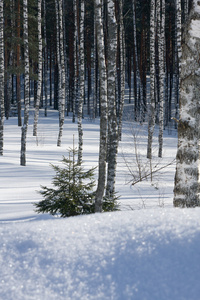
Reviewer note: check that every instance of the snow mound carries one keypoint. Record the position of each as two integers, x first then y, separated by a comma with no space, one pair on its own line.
147,254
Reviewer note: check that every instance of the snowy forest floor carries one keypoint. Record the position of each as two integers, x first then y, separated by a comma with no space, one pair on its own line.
148,250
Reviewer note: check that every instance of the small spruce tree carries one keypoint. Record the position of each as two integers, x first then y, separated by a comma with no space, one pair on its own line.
73,193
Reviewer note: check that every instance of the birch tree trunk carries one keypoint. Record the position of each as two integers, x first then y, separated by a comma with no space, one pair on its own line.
58,69
161,44
137,84
26,87
18,65
62,73
151,124
103,103
2,117
112,116
122,70
82,82
186,189
74,96
94,85
39,81
177,55
45,60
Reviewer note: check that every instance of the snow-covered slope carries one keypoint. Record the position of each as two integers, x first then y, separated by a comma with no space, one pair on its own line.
149,250
146,254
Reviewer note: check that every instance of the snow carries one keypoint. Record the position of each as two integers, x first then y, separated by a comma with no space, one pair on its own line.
150,254
148,250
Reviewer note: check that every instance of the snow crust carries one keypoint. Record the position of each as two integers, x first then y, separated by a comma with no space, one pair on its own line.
150,254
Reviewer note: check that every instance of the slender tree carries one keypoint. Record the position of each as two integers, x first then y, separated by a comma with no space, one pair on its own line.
1,76
45,68
62,74
82,81
152,81
18,65
186,189
26,85
161,47
39,80
75,58
112,115
103,103
137,84
177,54
121,69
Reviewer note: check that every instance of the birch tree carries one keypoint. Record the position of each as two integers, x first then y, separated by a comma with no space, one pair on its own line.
18,65
137,85
45,59
39,81
82,82
62,73
177,54
122,69
103,103
186,189
26,85
1,77
74,96
112,116
151,124
161,44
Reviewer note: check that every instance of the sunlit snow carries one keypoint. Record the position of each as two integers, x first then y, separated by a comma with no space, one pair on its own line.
148,250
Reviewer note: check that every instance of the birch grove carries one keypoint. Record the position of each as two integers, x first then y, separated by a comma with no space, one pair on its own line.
87,59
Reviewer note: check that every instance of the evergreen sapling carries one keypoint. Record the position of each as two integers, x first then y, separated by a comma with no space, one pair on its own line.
73,193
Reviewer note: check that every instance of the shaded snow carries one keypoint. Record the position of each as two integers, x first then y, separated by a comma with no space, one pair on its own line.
147,254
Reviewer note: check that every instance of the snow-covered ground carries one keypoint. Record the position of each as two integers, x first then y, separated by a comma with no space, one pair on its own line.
148,250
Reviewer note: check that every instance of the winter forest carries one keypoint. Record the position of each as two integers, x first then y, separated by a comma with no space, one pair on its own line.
77,56
98,78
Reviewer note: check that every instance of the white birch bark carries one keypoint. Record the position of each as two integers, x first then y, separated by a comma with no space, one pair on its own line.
58,52
151,124
186,189
177,55
103,103
122,70
65,58
39,81
26,85
45,60
82,82
112,116
2,117
161,46
94,85
74,99
137,86
11,59
62,74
